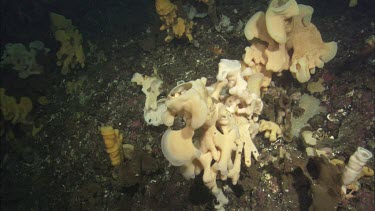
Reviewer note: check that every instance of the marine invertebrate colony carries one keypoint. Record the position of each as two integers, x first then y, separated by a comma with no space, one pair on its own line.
175,25
287,40
70,54
113,143
13,111
227,112
23,60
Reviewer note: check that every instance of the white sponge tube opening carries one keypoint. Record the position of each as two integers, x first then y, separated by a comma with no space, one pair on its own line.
355,165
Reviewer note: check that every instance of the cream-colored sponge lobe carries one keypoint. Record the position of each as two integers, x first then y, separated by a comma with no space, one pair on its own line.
177,146
276,17
256,28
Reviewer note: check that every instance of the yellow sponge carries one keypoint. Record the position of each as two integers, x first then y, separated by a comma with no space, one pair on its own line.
113,143
13,111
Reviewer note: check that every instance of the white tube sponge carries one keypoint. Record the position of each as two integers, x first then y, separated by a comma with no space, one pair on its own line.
355,165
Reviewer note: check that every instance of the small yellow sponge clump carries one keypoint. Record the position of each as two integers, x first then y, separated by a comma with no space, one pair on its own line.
183,27
13,111
70,54
175,26
167,11
113,143
272,130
